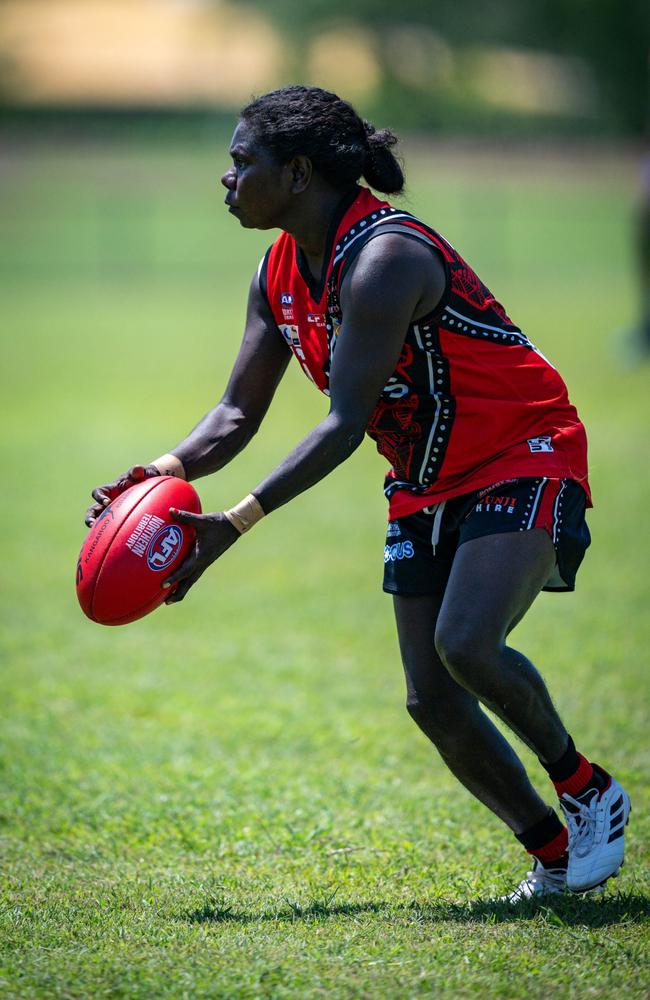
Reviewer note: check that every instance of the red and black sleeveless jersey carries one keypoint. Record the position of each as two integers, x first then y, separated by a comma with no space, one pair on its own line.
471,401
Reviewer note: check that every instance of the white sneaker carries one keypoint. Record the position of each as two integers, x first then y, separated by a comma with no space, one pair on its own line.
596,822
540,881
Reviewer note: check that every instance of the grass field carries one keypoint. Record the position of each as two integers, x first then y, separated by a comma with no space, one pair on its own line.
227,798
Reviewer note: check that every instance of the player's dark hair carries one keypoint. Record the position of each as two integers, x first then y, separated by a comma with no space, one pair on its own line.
342,146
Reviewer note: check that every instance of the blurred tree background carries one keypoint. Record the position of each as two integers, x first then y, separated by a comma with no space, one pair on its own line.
500,63
497,67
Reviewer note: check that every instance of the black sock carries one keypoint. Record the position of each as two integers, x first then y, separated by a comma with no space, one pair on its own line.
546,840
571,764
566,766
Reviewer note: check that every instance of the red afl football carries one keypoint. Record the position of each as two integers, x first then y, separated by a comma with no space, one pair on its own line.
132,548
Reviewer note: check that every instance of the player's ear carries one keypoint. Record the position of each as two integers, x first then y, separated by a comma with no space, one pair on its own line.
300,171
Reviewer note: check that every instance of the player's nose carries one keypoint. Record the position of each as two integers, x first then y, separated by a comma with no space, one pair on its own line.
228,179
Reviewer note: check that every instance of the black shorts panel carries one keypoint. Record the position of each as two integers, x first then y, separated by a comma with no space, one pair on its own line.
420,548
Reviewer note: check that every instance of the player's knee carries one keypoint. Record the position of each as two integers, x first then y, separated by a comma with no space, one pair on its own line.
417,709
426,711
441,713
466,652
443,718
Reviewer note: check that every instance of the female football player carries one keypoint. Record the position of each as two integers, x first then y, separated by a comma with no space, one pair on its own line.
487,486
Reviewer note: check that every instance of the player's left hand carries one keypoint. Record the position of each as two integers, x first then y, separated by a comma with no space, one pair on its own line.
214,534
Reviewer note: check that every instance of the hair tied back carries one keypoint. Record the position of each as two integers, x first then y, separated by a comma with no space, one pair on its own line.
319,124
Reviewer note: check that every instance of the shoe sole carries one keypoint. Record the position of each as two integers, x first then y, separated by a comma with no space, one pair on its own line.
536,897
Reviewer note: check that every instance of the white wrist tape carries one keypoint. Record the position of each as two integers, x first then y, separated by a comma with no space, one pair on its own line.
169,465
245,514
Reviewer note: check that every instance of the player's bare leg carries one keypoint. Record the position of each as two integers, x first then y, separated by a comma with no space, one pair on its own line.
472,747
496,578
451,717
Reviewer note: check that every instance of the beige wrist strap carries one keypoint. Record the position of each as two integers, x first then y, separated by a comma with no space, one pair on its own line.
245,514
169,465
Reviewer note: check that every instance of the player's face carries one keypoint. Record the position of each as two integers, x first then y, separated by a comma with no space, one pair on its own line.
256,184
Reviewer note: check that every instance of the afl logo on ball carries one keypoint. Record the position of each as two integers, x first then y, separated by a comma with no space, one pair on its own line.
164,547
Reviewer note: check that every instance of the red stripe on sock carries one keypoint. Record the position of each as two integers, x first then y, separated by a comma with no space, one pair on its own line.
579,780
554,850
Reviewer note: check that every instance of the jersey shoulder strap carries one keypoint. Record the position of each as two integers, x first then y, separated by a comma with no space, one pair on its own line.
376,223
262,274
383,218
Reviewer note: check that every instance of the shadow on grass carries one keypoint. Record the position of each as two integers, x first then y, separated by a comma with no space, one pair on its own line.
566,911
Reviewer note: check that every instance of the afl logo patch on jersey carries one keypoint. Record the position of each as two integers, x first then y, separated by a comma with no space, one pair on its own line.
164,547
286,304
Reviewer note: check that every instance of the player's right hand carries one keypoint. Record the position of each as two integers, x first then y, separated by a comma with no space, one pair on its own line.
103,495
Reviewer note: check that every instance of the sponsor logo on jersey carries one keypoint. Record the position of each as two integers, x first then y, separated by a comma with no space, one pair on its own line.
290,334
400,550
496,505
292,337
494,486
316,319
395,389
393,530
164,547
542,443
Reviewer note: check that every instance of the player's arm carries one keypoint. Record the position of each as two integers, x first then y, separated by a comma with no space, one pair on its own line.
393,280
261,362
223,432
